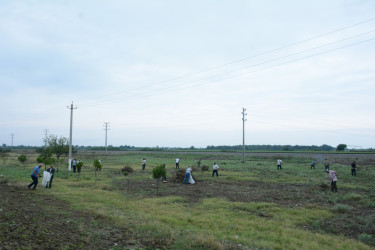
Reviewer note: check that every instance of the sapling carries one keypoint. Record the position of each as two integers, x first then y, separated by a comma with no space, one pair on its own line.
157,173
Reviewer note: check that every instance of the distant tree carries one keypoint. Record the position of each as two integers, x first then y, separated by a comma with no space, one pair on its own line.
157,173
341,147
22,159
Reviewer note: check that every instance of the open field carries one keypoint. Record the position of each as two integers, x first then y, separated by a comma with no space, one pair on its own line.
249,206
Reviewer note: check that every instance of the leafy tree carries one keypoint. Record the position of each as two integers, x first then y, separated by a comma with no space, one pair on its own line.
22,159
341,147
57,146
45,157
157,173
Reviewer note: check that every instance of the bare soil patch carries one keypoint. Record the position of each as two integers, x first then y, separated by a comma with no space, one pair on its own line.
29,220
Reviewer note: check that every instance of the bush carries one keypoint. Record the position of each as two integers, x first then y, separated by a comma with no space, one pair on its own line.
127,169
366,238
79,166
204,168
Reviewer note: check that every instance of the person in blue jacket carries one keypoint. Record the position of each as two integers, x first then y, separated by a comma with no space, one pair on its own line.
34,176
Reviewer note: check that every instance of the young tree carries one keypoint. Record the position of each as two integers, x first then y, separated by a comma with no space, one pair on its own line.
22,159
98,166
45,157
157,173
79,166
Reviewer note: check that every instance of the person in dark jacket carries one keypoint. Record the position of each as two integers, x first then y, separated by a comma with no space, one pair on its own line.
51,170
354,165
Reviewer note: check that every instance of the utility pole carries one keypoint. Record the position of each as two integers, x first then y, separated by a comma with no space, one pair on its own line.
243,134
12,137
45,136
106,125
71,134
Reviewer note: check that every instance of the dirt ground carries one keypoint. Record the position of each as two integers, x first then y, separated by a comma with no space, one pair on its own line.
32,221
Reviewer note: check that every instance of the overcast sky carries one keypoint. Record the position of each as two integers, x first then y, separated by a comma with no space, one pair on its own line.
178,73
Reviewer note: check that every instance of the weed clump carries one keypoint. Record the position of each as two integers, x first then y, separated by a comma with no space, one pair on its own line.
341,208
126,170
204,168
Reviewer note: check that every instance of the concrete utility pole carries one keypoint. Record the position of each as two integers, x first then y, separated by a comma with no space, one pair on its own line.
243,134
106,125
12,137
45,136
71,135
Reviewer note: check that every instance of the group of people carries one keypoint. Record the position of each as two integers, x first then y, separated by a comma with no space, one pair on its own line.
332,174
188,176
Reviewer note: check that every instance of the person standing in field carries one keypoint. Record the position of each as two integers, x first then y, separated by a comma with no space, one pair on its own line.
51,170
34,176
199,163
164,177
313,164
326,165
177,163
333,177
143,163
74,165
354,165
279,163
215,169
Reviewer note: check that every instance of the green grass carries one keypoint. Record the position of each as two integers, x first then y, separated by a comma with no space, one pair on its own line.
211,223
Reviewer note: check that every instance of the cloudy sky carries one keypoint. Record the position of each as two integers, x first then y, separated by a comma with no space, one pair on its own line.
178,73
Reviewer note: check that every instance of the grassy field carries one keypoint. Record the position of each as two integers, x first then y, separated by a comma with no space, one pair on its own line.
250,205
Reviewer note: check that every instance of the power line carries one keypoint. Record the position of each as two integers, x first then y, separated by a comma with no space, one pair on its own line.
180,86
242,59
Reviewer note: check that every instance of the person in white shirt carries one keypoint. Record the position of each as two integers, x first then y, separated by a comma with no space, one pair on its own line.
215,170
187,175
333,178
143,163
279,162
177,163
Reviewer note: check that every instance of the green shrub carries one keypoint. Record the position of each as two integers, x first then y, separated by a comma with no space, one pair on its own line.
127,169
366,238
